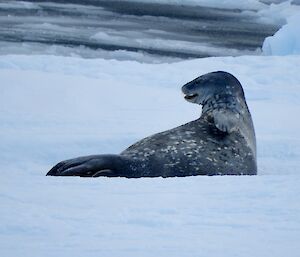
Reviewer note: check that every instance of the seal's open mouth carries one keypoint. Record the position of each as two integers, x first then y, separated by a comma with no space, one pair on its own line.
190,97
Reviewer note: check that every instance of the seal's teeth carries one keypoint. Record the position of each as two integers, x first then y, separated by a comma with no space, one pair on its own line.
190,96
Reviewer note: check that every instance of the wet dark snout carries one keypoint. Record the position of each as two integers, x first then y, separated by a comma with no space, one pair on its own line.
189,90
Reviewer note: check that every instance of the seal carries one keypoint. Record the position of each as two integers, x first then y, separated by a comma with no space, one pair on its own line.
220,142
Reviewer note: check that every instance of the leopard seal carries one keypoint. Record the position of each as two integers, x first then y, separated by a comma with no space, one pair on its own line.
220,142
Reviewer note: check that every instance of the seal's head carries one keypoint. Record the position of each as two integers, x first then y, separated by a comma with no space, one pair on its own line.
213,85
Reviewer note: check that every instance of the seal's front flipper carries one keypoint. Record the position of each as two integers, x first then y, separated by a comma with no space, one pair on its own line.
105,173
89,166
226,120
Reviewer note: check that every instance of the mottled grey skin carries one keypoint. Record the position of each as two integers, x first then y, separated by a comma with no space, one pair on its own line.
220,142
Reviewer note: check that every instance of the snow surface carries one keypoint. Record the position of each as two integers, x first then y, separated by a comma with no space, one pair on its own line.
286,41
279,13
54,108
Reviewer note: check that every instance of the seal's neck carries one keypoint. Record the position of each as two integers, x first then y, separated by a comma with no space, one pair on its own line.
238,108
225,101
